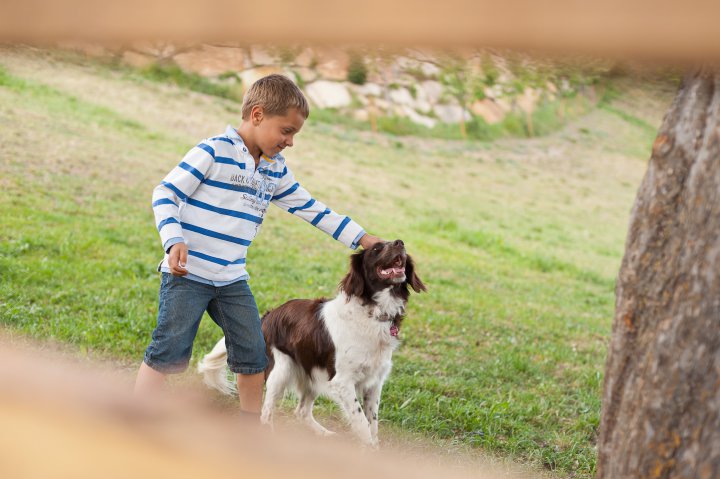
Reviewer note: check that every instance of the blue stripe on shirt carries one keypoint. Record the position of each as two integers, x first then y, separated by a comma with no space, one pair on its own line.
175,189
229,161
215,234
276,174
214,259
165,222
342,226
287,192
207,148
224,211
163,201
223,138
192,170
320,216
303,207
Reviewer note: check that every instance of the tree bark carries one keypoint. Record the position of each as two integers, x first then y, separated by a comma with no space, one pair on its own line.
661,399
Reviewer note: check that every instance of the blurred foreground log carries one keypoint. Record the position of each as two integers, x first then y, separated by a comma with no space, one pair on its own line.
654,29
661,403
64,418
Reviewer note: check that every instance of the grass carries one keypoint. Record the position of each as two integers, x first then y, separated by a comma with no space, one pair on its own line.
519,242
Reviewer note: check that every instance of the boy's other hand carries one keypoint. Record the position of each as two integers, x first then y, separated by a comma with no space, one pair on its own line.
177,259
368,240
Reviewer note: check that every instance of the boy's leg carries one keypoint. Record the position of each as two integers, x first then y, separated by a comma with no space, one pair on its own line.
235,311
182,304
148,381
250,391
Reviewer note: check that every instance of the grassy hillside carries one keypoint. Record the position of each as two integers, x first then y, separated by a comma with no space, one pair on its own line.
519,242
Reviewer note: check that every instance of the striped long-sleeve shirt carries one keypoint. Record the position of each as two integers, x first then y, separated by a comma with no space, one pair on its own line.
215,201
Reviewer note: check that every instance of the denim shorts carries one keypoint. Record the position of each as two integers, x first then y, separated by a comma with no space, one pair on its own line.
182,304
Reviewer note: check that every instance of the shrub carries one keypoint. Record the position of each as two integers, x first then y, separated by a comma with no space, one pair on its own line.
357,71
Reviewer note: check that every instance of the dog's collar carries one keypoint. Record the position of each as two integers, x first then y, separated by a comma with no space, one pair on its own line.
394,328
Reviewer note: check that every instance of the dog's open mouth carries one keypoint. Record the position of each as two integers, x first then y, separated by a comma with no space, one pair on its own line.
395,270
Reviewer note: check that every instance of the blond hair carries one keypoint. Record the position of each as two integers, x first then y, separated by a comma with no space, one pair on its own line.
276,94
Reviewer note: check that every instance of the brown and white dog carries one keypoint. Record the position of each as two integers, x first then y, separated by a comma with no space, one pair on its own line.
340,348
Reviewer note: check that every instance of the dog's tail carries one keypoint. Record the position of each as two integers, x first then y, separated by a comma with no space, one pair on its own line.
213,367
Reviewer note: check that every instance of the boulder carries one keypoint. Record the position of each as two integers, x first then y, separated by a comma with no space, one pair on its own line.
332,64
401,96
328,94
450,113
489,110
415,117
137,60
305,58
250,76
368,89
432,90
361,115
528,100
210,60
262,56
307,74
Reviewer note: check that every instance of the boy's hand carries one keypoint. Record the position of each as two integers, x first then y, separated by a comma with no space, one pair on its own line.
177,259
368,240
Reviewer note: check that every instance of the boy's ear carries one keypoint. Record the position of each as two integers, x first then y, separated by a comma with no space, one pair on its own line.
353,284
257,114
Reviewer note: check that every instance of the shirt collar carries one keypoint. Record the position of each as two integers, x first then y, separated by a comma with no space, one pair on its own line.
232,133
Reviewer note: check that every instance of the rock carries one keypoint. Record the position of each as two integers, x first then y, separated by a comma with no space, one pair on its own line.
250,76
432,90
429,70
488,110
305,58
450,113
161,50
422,106
361,115
308,75
528,100
137,60
261,56
328,94
332,64
415,117
368,89
211,61
401,96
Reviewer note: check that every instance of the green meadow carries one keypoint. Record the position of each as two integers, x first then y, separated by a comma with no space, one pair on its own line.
518,240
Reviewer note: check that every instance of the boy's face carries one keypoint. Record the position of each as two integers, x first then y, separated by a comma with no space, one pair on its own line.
274,133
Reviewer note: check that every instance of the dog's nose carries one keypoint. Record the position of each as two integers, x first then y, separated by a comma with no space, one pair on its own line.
398,243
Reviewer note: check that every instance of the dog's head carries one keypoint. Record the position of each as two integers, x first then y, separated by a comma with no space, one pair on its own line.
384,265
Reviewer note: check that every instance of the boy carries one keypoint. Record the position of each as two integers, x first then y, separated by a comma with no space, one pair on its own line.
208,210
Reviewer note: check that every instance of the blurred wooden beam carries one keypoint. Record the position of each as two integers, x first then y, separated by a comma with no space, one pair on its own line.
661,29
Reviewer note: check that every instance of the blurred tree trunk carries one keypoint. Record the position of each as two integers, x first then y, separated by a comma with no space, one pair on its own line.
661,400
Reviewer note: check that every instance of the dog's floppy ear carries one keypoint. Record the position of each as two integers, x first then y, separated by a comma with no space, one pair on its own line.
353,284
413,279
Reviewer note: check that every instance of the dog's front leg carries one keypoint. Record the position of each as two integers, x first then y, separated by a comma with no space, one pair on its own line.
343,393
371,404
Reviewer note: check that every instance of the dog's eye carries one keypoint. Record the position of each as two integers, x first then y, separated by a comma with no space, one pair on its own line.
377,247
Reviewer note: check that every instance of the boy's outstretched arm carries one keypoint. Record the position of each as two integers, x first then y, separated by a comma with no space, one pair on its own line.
368,240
